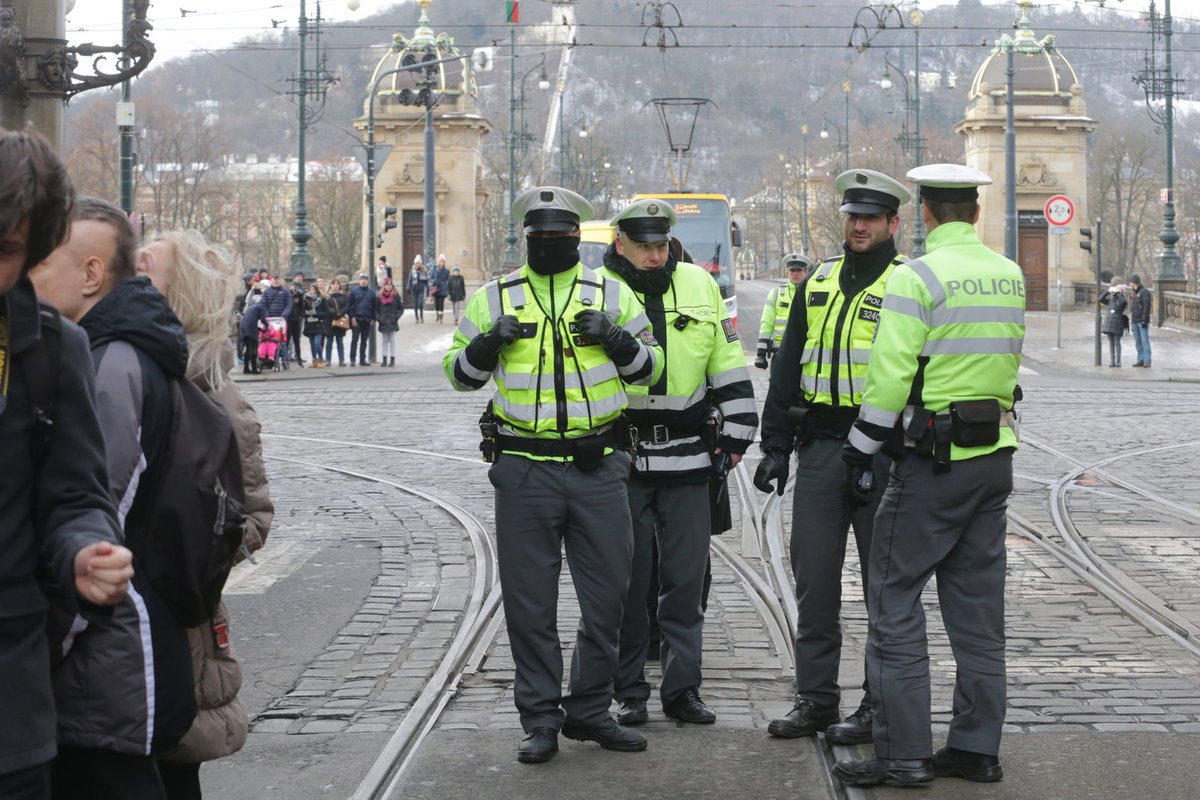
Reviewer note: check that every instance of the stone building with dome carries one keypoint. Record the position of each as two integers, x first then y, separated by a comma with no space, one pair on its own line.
458,165
1052,127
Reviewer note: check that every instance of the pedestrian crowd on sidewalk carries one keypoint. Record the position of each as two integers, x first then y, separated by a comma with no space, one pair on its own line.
115,647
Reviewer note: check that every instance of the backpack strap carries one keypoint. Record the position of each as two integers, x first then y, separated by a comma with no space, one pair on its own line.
39,367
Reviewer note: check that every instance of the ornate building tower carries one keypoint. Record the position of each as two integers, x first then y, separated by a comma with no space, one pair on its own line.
1052,127
458,136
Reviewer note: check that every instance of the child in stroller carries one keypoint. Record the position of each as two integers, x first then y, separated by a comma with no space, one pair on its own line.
272,344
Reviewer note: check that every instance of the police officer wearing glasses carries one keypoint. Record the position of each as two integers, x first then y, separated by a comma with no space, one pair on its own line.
816,388
561,343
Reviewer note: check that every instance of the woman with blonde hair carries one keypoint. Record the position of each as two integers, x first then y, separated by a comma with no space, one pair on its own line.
200,281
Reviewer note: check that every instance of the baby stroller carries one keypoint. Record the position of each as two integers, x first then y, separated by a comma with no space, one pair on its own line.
273,345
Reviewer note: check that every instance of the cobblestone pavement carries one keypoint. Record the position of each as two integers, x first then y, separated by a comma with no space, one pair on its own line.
1076,663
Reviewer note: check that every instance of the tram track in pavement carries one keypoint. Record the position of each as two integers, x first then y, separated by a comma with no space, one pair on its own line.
770,590
1068,542
466,651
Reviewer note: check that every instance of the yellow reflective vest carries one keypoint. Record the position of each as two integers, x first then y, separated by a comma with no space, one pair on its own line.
551,383
956,318
775,315
841,331
704,367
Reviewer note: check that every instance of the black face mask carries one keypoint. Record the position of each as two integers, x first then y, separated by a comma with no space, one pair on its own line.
550,256
645,281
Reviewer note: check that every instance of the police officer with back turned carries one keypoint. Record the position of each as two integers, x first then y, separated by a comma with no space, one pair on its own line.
816,388
698,415
779,303
561,343
942,384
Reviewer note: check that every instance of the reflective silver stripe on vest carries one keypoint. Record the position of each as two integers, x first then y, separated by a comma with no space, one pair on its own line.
823,385
990,346
493,301
908,307
729,376
635,325
808,354
735,431
519,381
612,295
667,403
877,416
468,328
469,369
579,410
860,355
863,443
649,462
587,291
969,314
744,405
937,294
639,361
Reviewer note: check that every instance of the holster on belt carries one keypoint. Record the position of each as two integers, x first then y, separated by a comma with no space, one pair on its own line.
798,418
488,429
943,435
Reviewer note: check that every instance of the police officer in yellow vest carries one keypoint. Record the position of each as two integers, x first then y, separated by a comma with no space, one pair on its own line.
700,413
779,303
561,343
941,386
816,388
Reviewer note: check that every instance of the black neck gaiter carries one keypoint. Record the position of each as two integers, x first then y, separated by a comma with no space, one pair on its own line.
644,281
550,256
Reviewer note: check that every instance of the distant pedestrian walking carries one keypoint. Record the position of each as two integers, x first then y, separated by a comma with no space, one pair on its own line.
418,285
1140,302
458,292
1115,322
439,286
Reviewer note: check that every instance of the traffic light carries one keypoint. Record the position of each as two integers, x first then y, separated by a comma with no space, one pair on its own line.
385,221
1087,236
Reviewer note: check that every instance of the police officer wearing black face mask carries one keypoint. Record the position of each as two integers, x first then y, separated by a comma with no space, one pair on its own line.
562,343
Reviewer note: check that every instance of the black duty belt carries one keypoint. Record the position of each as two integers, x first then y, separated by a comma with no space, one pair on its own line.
661,434
559,448
813,422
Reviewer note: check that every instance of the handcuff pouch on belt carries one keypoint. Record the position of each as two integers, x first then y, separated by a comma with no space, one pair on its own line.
488,429
798,418
976,423
969,423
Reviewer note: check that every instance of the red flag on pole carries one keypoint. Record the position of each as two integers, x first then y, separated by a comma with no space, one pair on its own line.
514,11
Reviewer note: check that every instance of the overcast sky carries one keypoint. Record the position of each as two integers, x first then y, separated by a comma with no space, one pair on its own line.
215,24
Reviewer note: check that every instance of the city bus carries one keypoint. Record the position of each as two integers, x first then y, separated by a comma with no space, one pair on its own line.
594,238
704,224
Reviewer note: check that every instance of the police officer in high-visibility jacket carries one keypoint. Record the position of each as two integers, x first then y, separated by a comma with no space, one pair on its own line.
700,413
561,343
779,303
941,387
816,388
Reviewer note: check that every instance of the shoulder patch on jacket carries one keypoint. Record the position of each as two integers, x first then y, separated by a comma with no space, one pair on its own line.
647,337
731,334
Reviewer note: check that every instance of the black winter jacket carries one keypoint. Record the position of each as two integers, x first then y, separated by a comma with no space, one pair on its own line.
102,686
52,509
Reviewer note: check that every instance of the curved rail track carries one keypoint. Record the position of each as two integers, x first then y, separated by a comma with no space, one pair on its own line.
769,589
1069,544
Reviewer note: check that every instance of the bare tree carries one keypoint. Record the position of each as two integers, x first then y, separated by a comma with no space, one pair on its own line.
93,151
335,214
177,158
1122,181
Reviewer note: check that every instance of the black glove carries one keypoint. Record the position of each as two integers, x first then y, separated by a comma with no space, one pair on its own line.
858,486
617,342
504,332
774,464
484,350
761,360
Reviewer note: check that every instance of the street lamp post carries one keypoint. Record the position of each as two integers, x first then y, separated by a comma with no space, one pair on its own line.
804,194
564,151
512,258
842,145
846,87
1159,83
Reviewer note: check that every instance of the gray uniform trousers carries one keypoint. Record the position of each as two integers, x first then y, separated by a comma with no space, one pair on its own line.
821,520
540,505
952,525
679,517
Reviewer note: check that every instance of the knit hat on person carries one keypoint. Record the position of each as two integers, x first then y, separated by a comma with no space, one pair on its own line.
1135,278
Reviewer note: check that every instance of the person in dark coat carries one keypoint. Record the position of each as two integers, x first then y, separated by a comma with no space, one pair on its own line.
418,285
361,308
1115,322
389,307
457,289
277,298
314,328
59,530
335,308
295,318
253,320
439,286
1139,309
124,689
